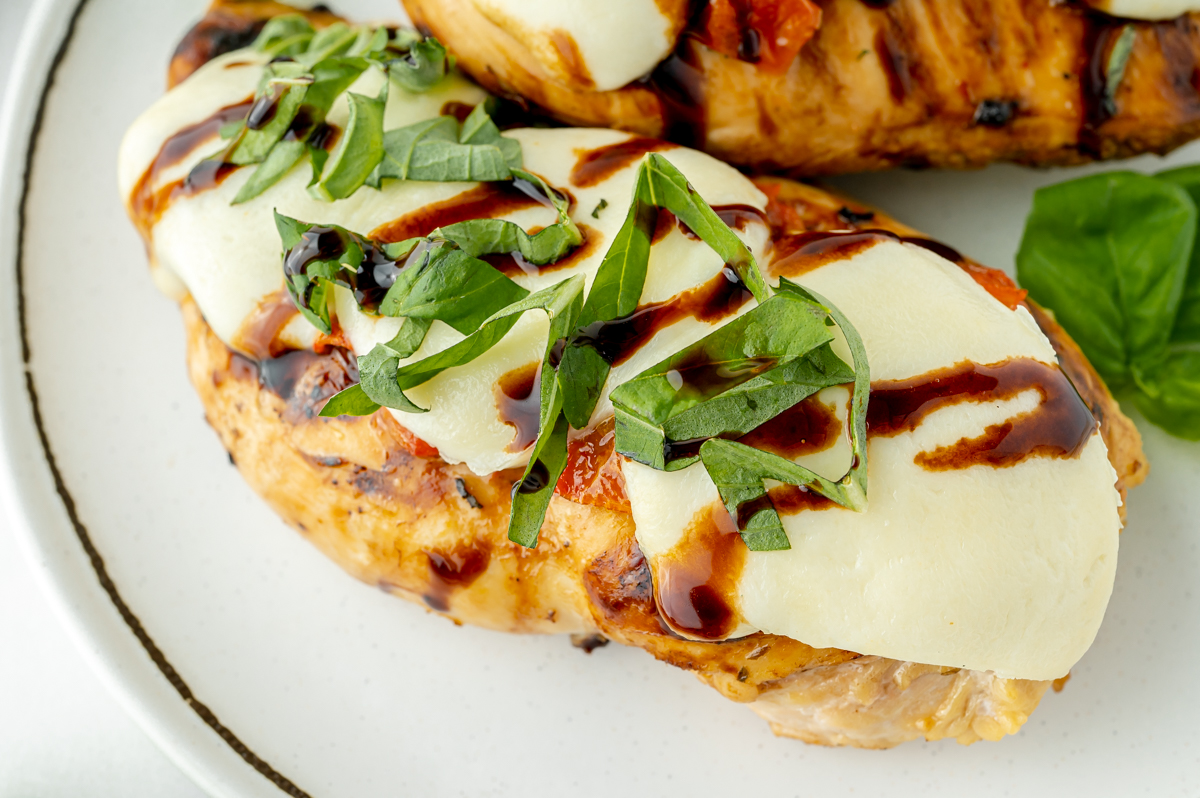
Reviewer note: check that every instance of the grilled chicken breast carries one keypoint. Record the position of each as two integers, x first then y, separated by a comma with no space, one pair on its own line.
435,534
944,83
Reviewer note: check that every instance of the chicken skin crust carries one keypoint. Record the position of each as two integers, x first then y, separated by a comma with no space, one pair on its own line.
944,83
436,534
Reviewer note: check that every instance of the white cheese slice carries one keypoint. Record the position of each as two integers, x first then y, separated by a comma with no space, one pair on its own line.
1146,9
615,42
1000,569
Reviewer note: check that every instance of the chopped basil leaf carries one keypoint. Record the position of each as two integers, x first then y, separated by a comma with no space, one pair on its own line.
601,205
622,274
359,151
728,383
284,35
438,150
771,335
453,287
279,161
532,493
333,40
422,67
417,278
274,109
296,94
351,402
1114,73
495,236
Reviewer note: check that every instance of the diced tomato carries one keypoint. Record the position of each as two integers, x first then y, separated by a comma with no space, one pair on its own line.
414,445
593,475
996,283
766,32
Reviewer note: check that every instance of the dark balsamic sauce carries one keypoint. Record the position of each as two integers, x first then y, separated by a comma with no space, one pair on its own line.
518,400
456,109
807,427
537,478
1058,427
802,252
617,340
790,499
595,166
697,580
258,334
148,203
738,216
264,109
454,569
374,275
486,201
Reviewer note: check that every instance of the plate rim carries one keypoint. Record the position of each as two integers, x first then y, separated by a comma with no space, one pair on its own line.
28,469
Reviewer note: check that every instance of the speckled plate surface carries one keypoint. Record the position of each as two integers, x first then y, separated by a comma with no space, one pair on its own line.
259,667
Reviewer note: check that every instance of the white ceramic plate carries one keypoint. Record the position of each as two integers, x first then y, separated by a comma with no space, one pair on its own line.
259,666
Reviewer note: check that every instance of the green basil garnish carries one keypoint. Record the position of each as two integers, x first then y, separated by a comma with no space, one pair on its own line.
1114,71
733,380
495,236
1113,256
617,289
284,35
297,92
359,151
440,149
420,278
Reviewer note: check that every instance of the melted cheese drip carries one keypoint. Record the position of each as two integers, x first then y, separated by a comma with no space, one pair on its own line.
602,46
991,569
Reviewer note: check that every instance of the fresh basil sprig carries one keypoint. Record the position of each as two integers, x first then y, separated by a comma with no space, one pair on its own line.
1114,256
730,382
617,289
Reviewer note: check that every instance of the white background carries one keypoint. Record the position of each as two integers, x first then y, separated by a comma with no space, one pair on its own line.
60,733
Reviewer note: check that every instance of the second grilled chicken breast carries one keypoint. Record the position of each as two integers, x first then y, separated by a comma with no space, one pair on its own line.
945,83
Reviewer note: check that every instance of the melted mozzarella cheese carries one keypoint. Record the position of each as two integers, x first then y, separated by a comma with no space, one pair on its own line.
228,256
1146,9
1000,569
608,44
